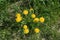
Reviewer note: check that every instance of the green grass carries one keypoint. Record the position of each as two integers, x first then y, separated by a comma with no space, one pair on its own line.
49,9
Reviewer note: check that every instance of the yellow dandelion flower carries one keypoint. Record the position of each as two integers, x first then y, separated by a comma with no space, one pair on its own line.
36,30
25,12
18,19
41,19
18,15
26,31
36,20
31,9
33,15
25,26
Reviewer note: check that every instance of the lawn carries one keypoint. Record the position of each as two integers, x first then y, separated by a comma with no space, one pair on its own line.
29,19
